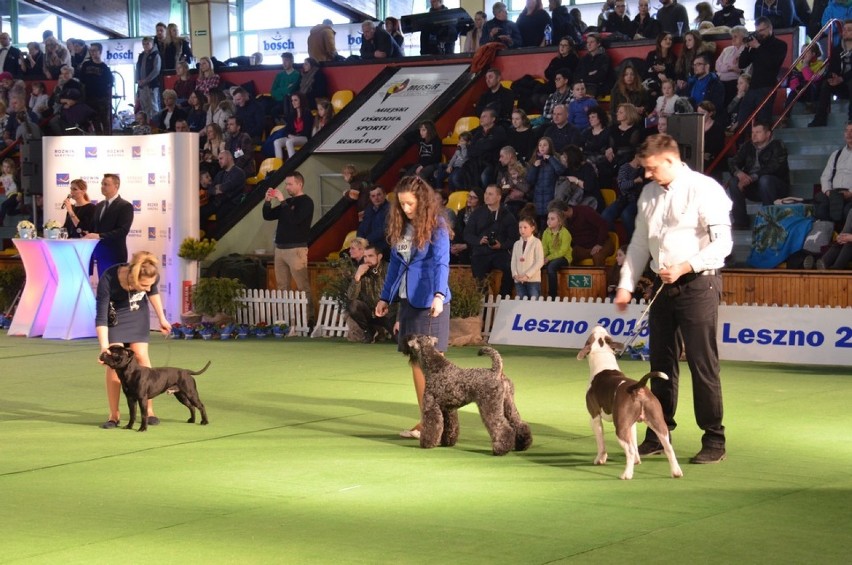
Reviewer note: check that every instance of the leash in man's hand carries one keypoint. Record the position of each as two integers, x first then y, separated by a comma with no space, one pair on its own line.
642,324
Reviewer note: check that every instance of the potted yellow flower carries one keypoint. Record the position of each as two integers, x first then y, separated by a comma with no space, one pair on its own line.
26,230
51,229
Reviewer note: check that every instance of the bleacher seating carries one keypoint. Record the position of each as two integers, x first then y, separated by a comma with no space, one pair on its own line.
465,123
340,99
266,166
613,237
457,200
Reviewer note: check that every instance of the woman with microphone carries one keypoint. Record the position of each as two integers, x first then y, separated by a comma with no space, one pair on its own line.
80,212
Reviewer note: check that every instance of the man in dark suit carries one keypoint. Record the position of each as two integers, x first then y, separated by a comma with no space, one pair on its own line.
113,218
10,56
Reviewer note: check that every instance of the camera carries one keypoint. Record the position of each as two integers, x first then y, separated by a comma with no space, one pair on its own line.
749,38
491,238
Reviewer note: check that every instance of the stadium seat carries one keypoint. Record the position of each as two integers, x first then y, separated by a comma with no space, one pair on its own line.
465,123
609,260
340,99
266,166
608,195
457,200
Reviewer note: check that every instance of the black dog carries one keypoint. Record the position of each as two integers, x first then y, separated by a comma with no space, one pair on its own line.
142,383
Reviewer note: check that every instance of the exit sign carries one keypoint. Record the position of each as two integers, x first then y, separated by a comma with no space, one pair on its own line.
579,281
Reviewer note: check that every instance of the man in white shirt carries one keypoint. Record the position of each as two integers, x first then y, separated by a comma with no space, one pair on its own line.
835,200
683,226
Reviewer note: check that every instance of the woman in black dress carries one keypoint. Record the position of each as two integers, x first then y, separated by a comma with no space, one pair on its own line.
596,142
661,63
521,136
429,151
122,318
625,135
79,210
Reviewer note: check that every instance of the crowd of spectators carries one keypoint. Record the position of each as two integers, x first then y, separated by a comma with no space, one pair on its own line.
559,160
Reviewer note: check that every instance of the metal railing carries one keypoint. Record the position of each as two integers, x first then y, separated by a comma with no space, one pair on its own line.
827,31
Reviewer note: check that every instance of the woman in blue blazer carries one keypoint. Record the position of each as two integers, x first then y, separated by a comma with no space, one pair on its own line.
419,271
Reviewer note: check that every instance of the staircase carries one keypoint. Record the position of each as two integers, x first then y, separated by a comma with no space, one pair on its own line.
808,150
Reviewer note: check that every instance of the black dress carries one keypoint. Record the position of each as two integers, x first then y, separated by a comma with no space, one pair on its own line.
524,142
131,308
86,215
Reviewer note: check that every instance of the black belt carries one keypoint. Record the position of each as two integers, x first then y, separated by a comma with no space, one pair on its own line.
689,277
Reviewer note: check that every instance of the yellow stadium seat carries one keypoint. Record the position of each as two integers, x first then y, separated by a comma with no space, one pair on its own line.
276,128
340,99
608,195
465,123
347,241
457,200
506,84
613,237
266,166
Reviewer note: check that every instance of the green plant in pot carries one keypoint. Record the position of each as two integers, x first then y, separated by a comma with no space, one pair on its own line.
193,249
215,298
465,308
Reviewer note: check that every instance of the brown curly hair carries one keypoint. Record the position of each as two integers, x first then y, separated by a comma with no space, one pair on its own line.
426,213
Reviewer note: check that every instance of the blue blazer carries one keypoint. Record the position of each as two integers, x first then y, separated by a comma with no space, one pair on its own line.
428,271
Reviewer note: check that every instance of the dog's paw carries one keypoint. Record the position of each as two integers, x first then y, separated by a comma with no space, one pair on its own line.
625,476
677,473
204,422
129,426
601,459
142,430
191,420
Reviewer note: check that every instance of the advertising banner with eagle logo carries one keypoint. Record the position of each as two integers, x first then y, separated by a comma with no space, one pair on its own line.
393,109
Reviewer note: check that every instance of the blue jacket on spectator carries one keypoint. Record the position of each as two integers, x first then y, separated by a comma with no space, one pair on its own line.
372,227
543,180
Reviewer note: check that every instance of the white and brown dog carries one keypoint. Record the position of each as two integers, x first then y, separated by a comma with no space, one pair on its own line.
613,396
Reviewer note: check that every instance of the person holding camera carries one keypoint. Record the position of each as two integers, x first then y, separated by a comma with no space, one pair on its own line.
294,216
766,54
501,29
490,234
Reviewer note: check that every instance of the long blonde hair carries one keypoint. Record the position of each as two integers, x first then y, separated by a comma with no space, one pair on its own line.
143,264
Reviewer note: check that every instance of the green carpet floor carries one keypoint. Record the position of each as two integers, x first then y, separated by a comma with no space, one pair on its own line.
301,463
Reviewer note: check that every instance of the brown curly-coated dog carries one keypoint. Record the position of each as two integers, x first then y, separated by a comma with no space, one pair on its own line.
449,387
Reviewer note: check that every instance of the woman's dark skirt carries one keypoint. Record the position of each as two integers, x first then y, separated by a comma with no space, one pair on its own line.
419,321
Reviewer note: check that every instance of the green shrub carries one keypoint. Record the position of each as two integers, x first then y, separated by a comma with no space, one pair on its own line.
467,294
213,295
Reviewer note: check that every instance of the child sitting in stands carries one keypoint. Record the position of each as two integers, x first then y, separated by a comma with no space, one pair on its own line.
39,100
9,186
578,108
453,171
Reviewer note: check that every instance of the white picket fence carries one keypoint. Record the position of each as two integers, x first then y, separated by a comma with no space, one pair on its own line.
331,321
274,306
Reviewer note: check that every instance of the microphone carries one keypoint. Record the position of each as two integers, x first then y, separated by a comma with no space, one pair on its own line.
63,204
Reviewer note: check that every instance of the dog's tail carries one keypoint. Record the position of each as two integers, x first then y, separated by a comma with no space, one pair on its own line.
496,360
201,371
646,378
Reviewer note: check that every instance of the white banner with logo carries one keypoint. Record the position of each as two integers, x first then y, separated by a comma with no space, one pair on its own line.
392,110
273,42
159,176
818,336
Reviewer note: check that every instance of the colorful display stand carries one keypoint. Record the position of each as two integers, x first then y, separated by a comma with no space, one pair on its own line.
57,302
